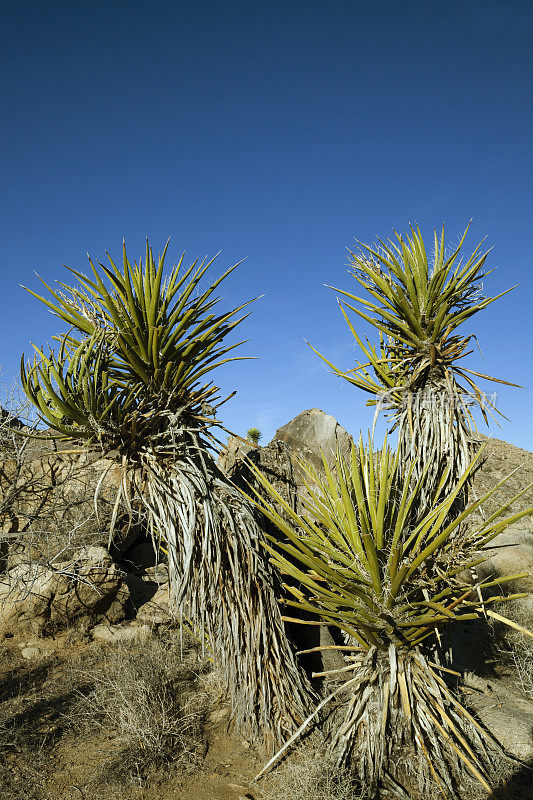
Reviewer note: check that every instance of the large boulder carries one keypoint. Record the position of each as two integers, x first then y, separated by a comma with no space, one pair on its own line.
85,590
306,436
275,461
312,433
507,714
47,502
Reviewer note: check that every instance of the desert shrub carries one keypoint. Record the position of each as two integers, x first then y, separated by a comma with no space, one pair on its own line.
254,435
311,779
415,373
151,700
381,566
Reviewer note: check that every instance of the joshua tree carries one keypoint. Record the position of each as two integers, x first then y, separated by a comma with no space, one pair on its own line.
373,559
415,374
129,377
254,435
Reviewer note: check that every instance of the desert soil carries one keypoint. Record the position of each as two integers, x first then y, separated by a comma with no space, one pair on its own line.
44,757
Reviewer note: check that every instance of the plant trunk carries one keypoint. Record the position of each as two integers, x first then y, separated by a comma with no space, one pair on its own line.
404,732
434,434
223,584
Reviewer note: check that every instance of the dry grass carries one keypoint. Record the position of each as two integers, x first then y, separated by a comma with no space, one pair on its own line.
311,779
522,657
318,779
29,706
151,701
21,767
113,721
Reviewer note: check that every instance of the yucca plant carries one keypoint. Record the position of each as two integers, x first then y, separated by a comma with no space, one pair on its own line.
254,435
130,378
415,373
368,556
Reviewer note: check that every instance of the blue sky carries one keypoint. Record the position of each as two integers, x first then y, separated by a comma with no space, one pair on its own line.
275,132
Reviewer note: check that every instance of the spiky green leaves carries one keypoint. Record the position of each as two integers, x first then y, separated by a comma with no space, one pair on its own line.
368,557
74,390
416,307
139,342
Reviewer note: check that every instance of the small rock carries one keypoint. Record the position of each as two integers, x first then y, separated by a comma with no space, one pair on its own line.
34,653
158,574
312,433
120,634
30,653
218,715
157,610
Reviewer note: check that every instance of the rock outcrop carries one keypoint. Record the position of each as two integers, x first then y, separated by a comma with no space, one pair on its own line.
47,501
305,437
312,433
43,599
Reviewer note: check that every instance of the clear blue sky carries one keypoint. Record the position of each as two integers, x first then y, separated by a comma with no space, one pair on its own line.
274,131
